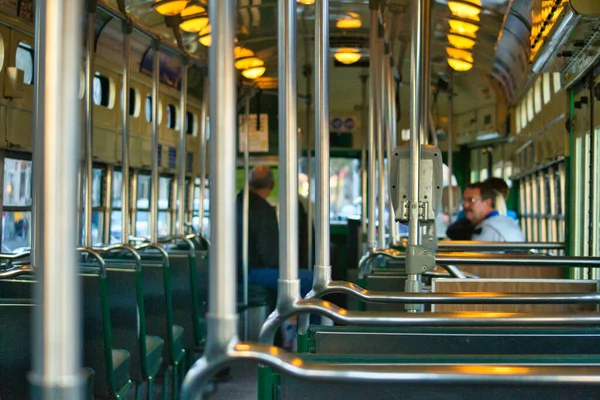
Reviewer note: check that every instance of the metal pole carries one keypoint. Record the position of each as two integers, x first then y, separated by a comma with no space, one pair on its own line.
182,148
374,28
380,126
450,148
222,78
108,179
132,206
155,113
288,150
203,144
418,124
309,205
246,210
322,131
57,360
89,128
126,122
389,120
363,156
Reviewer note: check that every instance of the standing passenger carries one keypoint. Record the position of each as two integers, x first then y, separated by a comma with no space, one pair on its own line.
263,234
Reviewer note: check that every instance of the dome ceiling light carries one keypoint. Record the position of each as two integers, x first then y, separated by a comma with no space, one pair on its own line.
459,65
244,58
347,55
467,9
170,7
463,27
194,18
460,42
459,54
204,36
349,21
306,2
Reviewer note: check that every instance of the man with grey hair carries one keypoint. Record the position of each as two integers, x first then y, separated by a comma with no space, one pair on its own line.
263,234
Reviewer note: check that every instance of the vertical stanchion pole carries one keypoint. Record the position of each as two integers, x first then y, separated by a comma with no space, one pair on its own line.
246,210
89,126
322,134
388,88
182,148
222,315
374,29
126,122
363,162
57,358
309,205
380,133
418,130
203,145
155,135
450,149
288,134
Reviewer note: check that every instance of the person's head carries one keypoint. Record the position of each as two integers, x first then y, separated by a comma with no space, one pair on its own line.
479,199
261,181
499,185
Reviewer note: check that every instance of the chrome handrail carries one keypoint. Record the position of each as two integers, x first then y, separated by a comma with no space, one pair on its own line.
16,271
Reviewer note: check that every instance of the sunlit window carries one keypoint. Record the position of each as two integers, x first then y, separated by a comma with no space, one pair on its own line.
518,120
547,89
530,105
24,62
537,94
103,91
557,81
16,215
523,114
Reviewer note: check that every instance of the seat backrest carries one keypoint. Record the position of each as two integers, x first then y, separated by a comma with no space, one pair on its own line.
186,307
446,285
15,347
17,288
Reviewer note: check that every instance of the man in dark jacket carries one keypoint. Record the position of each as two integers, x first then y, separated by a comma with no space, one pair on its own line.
263,234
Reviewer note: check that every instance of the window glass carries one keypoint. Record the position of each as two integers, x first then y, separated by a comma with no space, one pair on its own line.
142,229
538,95
523,114
134,102
518,119
115,227
164,191
102,89
143,200
530,105
24,62
16,235
191,123
557,83
344,182
149,110
172,120
547,89
97,228
17,182
97,187
164,223
116,189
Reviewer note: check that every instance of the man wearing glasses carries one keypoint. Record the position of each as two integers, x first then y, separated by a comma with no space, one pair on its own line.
485,208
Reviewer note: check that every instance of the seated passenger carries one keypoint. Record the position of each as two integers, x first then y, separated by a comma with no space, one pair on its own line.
482,204
263,234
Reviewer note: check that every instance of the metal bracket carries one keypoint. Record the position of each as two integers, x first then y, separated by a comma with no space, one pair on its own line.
419,259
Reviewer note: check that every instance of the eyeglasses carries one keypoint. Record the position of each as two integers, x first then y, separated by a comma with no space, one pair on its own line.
471,200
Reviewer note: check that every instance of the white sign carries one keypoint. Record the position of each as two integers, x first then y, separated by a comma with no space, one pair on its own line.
258,139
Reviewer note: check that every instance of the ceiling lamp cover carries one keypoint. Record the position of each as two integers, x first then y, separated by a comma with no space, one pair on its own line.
468,9
194,19
170,7
459,65
349,21
306,2
254,72
463,27
459,54
204,36
347,55
460,42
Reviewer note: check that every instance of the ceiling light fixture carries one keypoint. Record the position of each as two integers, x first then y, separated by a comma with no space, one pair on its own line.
204,36
463,27
170,7
306,2
468,9
347,55
349,21
460,42
194,18
459,54
256,70
459,65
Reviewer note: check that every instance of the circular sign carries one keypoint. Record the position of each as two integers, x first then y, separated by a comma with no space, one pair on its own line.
336,123
349,123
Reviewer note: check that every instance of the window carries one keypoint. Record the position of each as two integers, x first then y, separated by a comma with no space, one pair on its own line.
134,102
172,122
547,89
81,83
103,91
518,119
529,102
557,83
116,203
98,206
191,123
149,110
345,186
24,62
201,211
538,95
142,227
523,114
405,134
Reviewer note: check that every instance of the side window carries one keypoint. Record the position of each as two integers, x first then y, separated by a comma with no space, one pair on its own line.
172,120
149,110
24,62
103,91
16,212
191,124
134,102
557,83
518,119
538,95
547,88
